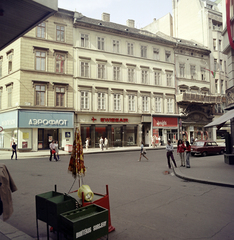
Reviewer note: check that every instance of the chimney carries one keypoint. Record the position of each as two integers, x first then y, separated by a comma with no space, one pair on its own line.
106,17
131,23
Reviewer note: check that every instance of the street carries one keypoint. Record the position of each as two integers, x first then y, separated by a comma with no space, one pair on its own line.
145,202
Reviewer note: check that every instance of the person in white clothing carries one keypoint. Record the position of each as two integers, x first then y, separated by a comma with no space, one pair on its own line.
87,143
101,143
106,143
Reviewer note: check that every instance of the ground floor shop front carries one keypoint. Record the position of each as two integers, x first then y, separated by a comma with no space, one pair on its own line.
35,130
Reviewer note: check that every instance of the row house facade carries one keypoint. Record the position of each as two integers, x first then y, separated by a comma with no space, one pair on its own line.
36,86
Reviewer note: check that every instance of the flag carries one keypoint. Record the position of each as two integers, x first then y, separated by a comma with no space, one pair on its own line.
213,73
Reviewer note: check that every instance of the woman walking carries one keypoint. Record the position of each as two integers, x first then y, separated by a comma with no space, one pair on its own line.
180,151
188,151
170,150
142,153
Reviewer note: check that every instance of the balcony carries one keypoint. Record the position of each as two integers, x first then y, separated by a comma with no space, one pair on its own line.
197,98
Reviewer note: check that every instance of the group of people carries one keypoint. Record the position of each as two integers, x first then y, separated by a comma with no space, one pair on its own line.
155,140
54,150
182,149
103,143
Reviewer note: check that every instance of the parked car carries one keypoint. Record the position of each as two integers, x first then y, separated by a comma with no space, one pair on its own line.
202,147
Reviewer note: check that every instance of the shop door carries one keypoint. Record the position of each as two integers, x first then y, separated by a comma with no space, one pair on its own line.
45,137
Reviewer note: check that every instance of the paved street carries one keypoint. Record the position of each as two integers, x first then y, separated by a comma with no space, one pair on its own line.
145,202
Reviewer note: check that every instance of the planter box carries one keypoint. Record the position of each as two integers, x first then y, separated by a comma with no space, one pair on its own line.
90,222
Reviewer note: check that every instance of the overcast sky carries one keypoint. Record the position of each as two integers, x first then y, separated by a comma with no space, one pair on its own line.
143,12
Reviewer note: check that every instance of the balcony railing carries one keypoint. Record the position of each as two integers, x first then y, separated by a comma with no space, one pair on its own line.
198,98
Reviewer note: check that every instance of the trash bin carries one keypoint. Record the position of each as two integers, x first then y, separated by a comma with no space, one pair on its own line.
90,222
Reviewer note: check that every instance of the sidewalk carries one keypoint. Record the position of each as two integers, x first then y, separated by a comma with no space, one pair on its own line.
206,170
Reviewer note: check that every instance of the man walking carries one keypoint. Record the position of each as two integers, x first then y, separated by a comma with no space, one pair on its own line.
52,151
14,151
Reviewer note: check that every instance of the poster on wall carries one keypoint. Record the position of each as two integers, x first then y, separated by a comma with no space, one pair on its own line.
25,135
50,138
24,144
67,134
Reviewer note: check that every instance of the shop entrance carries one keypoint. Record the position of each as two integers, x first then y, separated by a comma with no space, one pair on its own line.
45,137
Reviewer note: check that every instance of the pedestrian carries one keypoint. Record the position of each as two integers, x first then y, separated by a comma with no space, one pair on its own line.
106,143
180,151
170,150
159,141
14,150
87,143
188,151
101,143
56,149
143,152
153,141
52,151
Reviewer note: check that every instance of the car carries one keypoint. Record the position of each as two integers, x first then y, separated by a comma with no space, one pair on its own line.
204,147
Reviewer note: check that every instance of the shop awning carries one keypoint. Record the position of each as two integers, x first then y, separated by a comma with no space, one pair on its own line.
221,120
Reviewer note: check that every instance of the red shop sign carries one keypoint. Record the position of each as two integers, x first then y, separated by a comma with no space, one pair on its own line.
165,122
114,119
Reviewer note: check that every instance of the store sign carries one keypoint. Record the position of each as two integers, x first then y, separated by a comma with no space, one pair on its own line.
114,119
165,122
43,119
8,120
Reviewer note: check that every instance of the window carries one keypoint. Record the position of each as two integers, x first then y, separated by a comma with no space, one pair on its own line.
203,74
158,104
60,97
117,102
214,44
84,40
100,43
144,51
84,69
220,65
60,60
131,75
155,53
60,33
216,86
9,97
220,45
131,103
115,46
225,66
157,78
193,71
101,101
170,105
10,60
182,66
168,56
144,76
130,48
116,73
182,91
215,65
169,79
41,30
145,107
0,98
40,95
222,87
40,60
84,100
0,67
101,71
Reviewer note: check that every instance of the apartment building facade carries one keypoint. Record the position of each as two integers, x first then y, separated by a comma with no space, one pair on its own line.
36,86
125,83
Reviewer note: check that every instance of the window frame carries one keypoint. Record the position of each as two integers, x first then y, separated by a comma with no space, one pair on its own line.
131,75
116,101
157,78
60,94
158,104
144,76
182,70
36,95
193,71
169,79
1,64
85,42
116,73
42,29
156,53
40,58
145,103
168,56
10,62
117,47
64,63
101,71
101,43
101,101
9,95
130,48
0,97
84,100
60,31
131,103
85,69
143,51
170,104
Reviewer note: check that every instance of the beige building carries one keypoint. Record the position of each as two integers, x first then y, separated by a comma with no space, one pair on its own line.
125,83
36,86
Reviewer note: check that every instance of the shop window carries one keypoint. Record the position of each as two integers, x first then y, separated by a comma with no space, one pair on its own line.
130,48
40,60
155,53
144,77
157,78
84,100
144,51
101,71
145,104
84,69
100,43
131,75
40,95
158,104
84,40
41,30
131,103
60,33
101,101
60,97
115,46
117,101
116,73
60,63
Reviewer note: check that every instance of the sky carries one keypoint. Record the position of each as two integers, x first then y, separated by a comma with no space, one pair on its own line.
143,12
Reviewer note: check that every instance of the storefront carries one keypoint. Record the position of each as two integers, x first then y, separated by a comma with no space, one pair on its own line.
35,130
165,128
119,130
